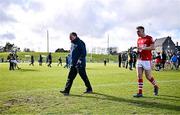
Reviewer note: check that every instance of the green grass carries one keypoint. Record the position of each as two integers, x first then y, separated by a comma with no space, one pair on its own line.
35,90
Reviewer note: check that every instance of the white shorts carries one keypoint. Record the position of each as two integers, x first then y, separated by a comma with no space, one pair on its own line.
14,61
147,65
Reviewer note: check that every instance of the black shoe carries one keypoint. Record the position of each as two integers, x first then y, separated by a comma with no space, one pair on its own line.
156,89
65,93
138,95
88,91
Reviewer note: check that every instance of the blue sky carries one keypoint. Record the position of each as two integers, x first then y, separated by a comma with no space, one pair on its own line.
25,22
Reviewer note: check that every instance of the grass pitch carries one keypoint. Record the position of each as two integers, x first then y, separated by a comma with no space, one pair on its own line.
35,90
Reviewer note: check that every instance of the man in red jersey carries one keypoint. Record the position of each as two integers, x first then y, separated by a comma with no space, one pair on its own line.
145,45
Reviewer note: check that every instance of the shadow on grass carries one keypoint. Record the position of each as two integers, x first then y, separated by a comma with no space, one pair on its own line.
164,98
171,96
140,103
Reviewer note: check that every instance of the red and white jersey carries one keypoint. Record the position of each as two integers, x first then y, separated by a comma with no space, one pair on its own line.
145,42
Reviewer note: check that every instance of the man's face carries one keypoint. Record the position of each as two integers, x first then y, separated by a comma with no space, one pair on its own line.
140,32
72,37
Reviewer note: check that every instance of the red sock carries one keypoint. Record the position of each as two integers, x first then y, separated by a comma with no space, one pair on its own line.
140,85
153,81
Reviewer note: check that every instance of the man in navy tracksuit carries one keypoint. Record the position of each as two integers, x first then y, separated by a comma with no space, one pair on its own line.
77,64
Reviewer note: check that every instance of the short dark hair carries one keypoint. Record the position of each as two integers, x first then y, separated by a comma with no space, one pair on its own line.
140,27
74,34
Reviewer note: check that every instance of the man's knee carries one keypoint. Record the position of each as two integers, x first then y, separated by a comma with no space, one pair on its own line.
148,75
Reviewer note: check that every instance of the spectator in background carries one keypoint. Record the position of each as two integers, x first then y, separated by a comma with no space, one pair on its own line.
158,61
2,60
134,59
124,58
40,60
49,60
105,62
130,60
170,55
164,58
67,62
16,60
60,61
32,60
10,58
127,60
119,59
174,61
178,57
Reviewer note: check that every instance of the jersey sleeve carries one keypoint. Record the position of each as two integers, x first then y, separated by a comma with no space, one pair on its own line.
151,40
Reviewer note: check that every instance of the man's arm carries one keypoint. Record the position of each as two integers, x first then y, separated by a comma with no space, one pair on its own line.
151,47
82,54
82,50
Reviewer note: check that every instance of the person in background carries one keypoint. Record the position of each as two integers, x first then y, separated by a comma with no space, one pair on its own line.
67,65
2,60
134,59
164,58
16,60
40,60
158,62
32,60
178,57
174,61
119,59
127,59
49,60
130,59
123,60
105,62
60,61
10,58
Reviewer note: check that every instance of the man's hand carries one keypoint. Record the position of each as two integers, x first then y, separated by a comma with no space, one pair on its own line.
140,49
143,48
79,62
